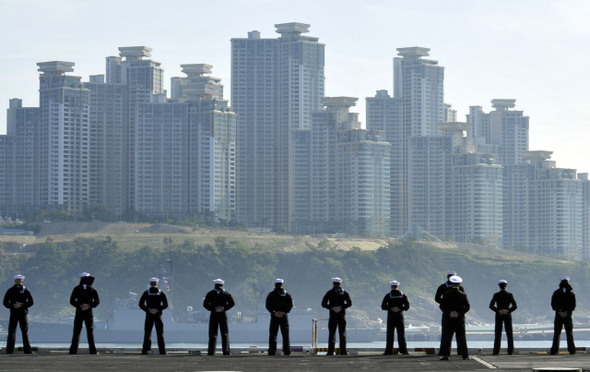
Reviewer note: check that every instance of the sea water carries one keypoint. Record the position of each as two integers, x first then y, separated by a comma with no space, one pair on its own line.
352,345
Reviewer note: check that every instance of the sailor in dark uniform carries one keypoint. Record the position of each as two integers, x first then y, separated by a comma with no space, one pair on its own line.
454,306
84,298
337,300
153,301
18,299
278,304
503,304
563,303
438,299
218,302
395,303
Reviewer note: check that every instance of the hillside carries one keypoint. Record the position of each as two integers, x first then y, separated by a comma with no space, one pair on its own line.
123,255
153,235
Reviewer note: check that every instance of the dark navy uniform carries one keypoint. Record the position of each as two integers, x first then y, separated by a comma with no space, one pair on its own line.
153,299
438,299
83,294
563,303
337,298
280,301
503,300
18,316
218,298
454,300
395,320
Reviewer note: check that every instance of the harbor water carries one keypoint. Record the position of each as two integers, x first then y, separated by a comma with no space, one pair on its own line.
355,345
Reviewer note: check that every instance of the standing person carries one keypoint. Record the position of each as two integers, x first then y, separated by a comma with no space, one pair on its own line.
438,299
18,299
563,303
337,300
454,306
84,298
503,304
395,303
153,301
218,302
278,303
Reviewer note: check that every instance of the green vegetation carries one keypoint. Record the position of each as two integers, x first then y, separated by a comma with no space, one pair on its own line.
52,271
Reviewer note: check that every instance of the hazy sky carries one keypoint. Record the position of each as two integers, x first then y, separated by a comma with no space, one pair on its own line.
534,51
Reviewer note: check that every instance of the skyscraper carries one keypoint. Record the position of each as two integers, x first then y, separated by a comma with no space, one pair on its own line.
19,163
555,207
456,186
415,110
509,131
185,150
211,145
107,144
143,79
64,114
341,181
276,85
507,128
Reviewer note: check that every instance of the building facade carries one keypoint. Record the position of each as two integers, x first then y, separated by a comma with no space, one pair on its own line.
143,79
65,137
416,108
276,85
504,127
19,161
342,174
456,188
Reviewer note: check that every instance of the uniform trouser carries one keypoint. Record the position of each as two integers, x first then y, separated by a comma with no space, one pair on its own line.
336,321
455,326
150,320
395,323
18,319
443,332
275,324
87,318
218,320
507,321
568,324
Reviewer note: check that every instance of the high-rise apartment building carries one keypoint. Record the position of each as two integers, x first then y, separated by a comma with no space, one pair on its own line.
276,85
456,186
143,79
504,127
508,129
117,141
450,115
341,181
160,158
185,151
415,109
211,145
585,251
555,207
107,144
65,136
19,169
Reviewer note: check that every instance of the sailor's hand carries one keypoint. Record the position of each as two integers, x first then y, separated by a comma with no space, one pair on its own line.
17,305
279,314
395,309
336,309
84,307
219,309
153,311
503,312
562,314
454,314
